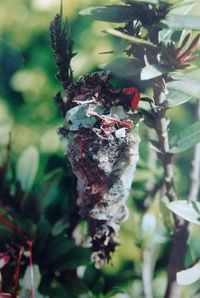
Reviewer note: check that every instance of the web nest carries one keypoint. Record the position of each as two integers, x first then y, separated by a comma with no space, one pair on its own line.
102,147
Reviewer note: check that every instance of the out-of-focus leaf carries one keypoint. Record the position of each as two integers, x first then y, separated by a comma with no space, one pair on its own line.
49,189
57,249
124,67
186,210
148,225
166,214
59,291
59,227
27,277
186,138
180,22
27,167
4,135
176,98
151,71
77,256
188,276
185,85
43,232
131,39
24,293
114,291
77,288
110,13
149,118
24,223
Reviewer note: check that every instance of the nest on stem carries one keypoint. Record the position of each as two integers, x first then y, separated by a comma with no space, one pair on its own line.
102,147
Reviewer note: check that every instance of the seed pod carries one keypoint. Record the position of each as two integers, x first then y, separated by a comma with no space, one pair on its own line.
102,147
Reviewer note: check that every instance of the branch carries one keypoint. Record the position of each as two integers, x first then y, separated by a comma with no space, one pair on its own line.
195,171
179,240
162,132
179,243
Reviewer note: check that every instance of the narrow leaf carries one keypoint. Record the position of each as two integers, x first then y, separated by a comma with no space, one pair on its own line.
188,276
110,13
27,167
185,85
175,98
131,39
180,22
151,71
186,138
185,209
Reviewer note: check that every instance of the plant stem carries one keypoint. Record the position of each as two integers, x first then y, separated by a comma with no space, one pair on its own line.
195,171
162,132
179,240
147,270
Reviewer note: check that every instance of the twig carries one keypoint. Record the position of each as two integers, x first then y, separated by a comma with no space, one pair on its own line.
162,132
179,243
195,172
179,240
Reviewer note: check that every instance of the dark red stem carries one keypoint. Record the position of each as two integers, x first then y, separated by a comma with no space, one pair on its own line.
17,272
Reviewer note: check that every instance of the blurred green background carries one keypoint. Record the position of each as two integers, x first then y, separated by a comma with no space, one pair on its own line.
27,85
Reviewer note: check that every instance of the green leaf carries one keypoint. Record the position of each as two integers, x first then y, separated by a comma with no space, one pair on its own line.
195,206
185,85
131,39
186,138
75,257
180,22
188,276
185,209
59,227
57,249
175,98
151,71
27,277
77,117
43,232
27,167
110,13
124,67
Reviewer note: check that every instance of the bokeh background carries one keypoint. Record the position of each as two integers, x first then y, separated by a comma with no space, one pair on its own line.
27,85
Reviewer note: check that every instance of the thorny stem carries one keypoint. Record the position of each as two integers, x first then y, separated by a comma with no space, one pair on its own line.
179,240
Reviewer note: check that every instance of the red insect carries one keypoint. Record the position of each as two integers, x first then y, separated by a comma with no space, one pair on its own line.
136,96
